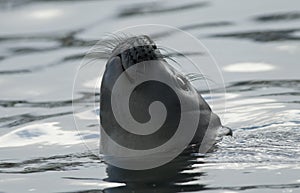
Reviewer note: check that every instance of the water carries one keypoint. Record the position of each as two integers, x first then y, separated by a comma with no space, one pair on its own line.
256,45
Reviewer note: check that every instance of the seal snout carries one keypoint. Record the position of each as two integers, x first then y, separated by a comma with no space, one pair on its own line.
135,50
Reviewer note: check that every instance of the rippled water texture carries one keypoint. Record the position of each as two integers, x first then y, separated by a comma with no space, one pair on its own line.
256,45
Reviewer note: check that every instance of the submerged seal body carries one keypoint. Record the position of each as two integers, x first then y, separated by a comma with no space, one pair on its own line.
159,97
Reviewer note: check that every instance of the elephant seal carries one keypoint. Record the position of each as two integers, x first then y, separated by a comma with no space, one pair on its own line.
143,102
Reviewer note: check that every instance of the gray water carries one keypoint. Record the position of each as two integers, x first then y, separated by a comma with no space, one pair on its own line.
255,43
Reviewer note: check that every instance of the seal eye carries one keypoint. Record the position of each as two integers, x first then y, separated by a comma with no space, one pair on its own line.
182,83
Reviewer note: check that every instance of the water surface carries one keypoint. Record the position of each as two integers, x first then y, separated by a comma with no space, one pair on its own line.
256,45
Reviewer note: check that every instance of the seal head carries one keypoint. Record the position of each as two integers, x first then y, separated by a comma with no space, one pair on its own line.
156,104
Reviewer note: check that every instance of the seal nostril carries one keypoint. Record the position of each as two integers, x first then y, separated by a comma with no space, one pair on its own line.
140,53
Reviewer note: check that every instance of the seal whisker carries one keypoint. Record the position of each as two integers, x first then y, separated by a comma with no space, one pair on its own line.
111,41
89,62
93,57
197,76
167,55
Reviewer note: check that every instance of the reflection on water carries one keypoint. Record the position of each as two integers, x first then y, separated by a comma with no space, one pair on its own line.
158,7
264,35
172,177
46,133
248,101
288,48
46,14
279,17
53,163
248,67
42,44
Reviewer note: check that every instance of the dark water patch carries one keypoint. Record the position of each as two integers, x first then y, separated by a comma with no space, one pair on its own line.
53,163
251,187
193,188
252,85
41,67
259,84
278,17
261,126
263,35
15,4
206,25
28,50
22,119
157,8
74,57
193,26
282,94
10,72
11,4
154,188
24,103
167,178
76,178
65,39
89,191
183,54
17,120
297,102
46,167
29,134
20,37
90,136
71,41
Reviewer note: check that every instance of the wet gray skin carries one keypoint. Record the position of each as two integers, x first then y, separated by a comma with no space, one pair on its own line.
139,49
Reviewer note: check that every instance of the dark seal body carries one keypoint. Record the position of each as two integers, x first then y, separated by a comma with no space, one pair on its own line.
127,54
